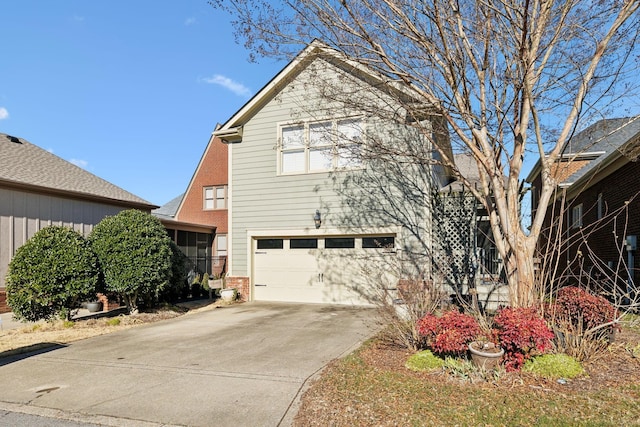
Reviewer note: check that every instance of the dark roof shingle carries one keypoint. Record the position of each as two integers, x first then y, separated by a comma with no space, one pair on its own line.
604,138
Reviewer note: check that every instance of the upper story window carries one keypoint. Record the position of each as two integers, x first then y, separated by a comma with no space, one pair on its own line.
215,197
320,146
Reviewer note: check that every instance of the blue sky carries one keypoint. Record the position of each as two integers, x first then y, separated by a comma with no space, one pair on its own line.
128,90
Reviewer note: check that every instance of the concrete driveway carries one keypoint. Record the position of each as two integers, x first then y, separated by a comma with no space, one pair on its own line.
242,365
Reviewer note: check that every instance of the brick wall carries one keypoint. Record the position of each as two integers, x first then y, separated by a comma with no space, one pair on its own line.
563,170
240,283
212,171
597,243
4,308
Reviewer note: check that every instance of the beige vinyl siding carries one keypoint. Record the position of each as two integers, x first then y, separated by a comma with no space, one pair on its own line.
22,214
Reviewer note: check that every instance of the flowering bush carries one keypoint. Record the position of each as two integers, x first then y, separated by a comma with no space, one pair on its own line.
582,309
449,333
522,333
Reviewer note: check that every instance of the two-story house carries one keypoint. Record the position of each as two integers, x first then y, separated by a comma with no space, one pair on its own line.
317,212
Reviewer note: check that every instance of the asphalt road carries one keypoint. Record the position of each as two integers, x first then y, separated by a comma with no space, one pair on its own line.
242,365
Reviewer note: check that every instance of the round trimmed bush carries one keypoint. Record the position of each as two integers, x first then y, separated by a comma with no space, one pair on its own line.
583,309
51,274
178,280
522,333
134,251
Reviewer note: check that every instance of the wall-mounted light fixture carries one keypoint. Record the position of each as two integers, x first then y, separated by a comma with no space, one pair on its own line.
317,219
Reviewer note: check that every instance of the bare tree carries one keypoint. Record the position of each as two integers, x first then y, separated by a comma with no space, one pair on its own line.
512,79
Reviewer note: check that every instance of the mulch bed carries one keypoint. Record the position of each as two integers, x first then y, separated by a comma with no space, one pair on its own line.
614,367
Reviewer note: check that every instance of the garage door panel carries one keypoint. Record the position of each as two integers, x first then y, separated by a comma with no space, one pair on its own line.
339,276
286,275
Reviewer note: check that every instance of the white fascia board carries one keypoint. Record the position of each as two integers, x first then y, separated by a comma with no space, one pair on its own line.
315,48
230,135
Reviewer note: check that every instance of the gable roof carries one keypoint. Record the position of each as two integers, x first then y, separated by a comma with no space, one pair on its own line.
167,215
599,145
26,166
231,130
606,140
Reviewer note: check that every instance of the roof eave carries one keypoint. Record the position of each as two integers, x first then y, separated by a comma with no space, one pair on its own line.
313,50
78,195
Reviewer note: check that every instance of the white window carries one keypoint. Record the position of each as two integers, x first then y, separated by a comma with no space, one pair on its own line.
221,245
320,146
576,216
215,197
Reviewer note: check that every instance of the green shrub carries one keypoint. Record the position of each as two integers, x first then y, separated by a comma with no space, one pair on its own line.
554,366
177,286
196,289
51,274
113,322
135,255
424,361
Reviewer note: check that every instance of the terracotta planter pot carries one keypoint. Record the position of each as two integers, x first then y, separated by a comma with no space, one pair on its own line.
485,355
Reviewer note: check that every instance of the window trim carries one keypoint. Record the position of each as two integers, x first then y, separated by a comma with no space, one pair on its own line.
218,250
307,148
576,216
214,200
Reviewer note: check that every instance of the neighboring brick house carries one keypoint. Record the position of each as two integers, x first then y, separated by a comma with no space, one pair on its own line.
599,177
38,189
197,219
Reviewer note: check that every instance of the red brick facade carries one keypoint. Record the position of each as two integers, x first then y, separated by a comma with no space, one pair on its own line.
241,284
4,308
212,171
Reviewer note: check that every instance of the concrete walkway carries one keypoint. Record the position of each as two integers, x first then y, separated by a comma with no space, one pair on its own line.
242,365
7,322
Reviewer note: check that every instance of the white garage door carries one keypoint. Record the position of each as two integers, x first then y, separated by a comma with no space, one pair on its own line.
337,270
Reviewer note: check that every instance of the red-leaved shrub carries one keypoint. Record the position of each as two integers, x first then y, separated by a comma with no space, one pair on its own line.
583,309
450,333
522,333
